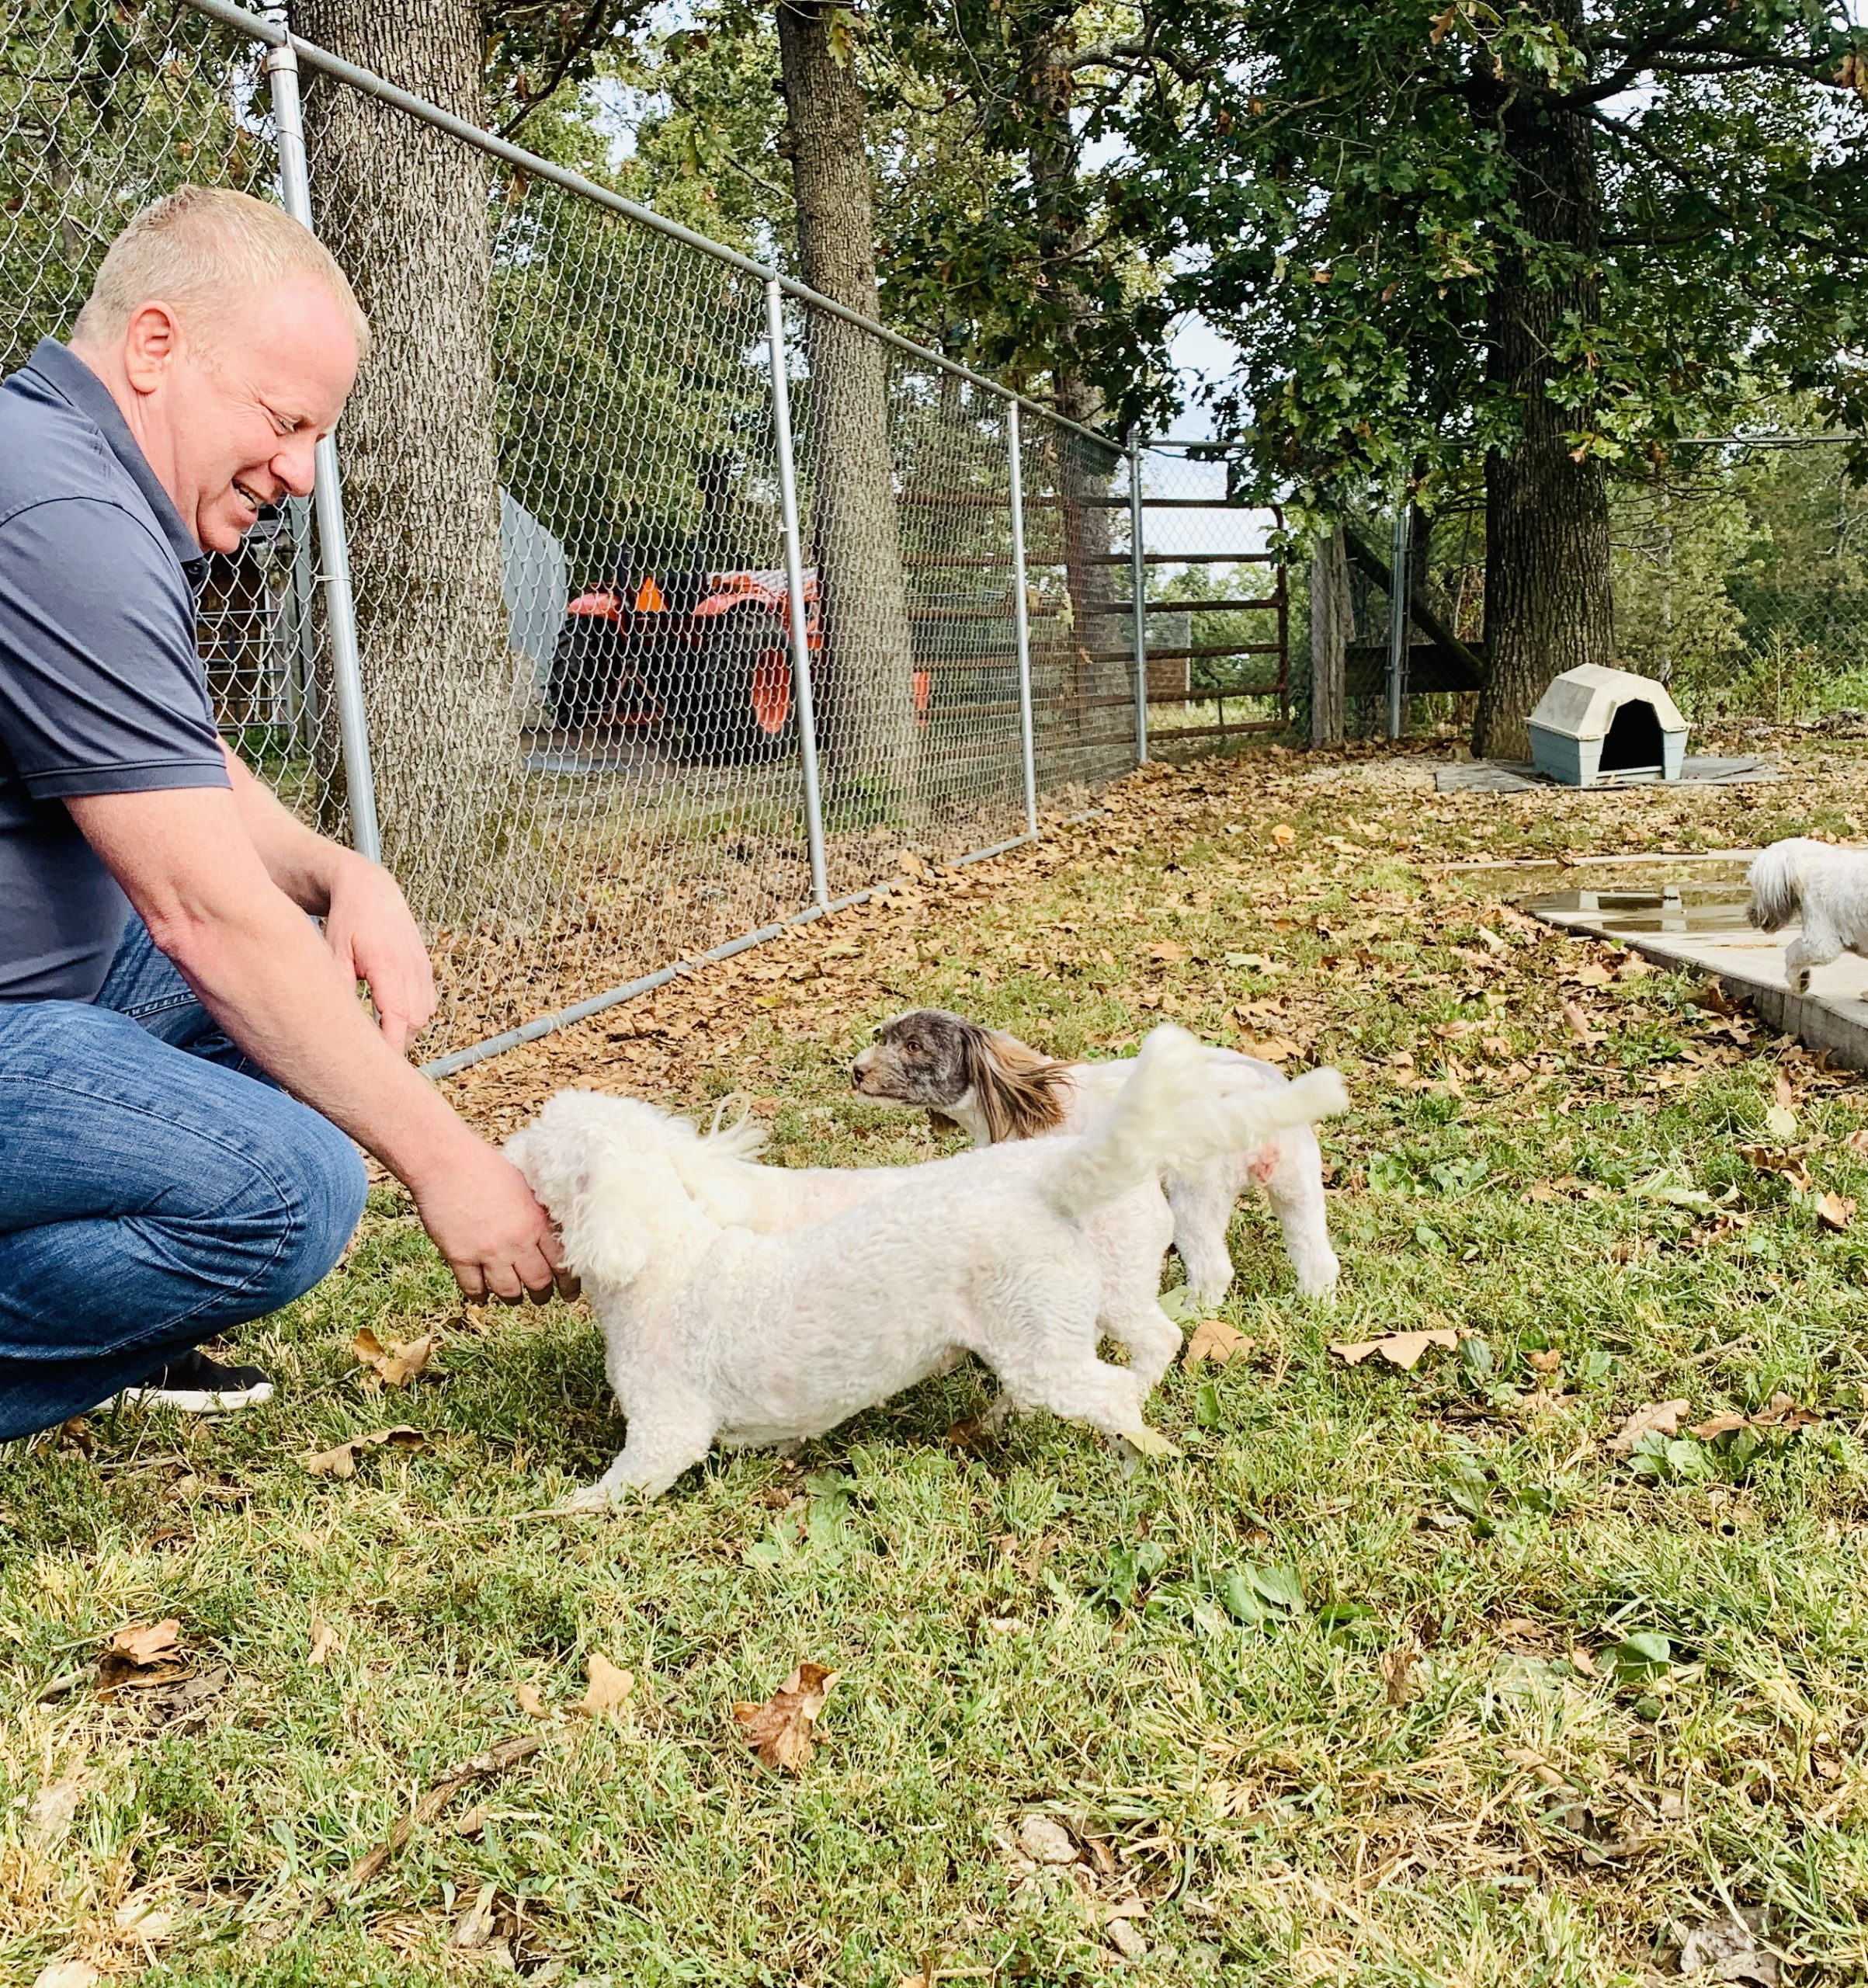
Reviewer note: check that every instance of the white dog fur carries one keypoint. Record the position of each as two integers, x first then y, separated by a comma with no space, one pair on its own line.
1827,886
995,1087
715,1333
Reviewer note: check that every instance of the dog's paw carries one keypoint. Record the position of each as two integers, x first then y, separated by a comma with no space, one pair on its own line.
593,1498
1800,981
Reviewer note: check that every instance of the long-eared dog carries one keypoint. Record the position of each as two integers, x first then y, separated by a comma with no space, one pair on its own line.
1827,886
995,1087
714,1333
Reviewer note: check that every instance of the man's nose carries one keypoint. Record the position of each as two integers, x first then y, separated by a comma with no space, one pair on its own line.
295,465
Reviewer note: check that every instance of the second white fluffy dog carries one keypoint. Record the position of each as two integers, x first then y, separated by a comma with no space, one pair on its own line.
713,1334
1827,886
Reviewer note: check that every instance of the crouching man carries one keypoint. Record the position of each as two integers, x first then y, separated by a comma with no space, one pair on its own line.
184,1063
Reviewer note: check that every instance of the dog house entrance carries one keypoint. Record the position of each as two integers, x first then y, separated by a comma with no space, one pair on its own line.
1633,744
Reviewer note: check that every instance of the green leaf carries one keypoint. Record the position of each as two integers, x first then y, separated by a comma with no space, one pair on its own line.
1180,1306
1645,1654
1150,1442
1278,1586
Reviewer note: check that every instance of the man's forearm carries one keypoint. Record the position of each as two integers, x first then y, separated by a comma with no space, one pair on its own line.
271,983
300,861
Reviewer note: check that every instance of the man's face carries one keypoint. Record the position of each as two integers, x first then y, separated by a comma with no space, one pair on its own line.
242,410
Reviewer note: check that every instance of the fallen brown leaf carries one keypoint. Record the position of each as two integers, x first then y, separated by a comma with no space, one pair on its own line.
1396,1669
1545,1363
476,1924
146,1643
1284,835
66,1974
324,1641
393,1366
1401,1349
340,1460
780,1729
1214,1340
49,1820
1834,1212
609,1685
1720,1425
1579,1026
530,1703
1659,1417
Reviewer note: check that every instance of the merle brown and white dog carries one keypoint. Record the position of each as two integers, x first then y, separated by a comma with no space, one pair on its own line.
995,1087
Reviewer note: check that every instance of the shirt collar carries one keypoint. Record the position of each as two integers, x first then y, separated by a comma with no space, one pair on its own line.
73,381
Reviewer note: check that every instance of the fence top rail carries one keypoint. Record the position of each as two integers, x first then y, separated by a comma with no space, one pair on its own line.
256,28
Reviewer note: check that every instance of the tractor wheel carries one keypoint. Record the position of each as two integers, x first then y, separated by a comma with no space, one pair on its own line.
737,705
586,670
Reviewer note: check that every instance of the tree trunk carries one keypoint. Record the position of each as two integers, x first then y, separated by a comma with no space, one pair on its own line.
864,674
1086,473
1332,620
404,209
1549,606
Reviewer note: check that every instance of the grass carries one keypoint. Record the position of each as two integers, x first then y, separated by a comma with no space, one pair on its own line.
1365,1690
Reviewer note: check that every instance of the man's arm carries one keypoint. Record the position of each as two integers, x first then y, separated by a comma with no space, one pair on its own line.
366,924
186,862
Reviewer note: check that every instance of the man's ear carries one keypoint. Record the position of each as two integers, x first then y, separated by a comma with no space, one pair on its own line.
152,342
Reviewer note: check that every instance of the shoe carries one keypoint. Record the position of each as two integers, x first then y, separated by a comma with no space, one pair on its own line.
192,1384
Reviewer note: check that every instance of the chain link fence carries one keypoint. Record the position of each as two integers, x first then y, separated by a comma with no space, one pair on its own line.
649,602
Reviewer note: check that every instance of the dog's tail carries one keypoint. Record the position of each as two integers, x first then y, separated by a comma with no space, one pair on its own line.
1777,883
1166,1114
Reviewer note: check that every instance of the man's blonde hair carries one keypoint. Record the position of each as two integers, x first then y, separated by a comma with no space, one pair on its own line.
198,248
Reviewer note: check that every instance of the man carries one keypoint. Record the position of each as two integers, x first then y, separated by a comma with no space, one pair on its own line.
184,1062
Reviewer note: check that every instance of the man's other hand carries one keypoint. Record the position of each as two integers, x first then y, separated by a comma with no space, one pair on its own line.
370,928
497,1240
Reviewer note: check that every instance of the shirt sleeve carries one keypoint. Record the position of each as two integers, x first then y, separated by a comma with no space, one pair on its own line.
102,690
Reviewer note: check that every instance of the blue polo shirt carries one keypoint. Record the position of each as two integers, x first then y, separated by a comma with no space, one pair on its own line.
102,687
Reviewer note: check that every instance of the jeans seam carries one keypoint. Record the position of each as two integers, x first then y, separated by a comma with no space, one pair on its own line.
144,1009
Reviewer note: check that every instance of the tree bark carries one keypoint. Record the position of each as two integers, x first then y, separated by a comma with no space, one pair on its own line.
865,669
1084,474
404,209
1548,603
1332,618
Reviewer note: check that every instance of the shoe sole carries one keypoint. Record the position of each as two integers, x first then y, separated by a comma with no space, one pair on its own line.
198,1401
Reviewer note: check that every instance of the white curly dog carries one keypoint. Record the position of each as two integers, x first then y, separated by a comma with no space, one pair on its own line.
1827,886
713,1333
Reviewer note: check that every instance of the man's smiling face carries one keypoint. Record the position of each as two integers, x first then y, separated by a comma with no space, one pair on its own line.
247,404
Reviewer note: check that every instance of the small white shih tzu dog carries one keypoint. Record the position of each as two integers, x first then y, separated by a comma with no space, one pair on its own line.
995,1087
1827,886
715,1333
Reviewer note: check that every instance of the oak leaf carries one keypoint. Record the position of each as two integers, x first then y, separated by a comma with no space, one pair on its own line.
609,1685
780,1729
146,1643
1659,1418
1214,1340
340,1460
395,1366
1834,1212
1401,1350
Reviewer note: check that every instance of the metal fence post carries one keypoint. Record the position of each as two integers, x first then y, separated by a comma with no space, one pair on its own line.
328,497
1137,599
794,591
1400,587
1021,615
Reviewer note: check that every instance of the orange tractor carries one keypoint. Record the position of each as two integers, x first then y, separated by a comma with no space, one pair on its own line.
701,658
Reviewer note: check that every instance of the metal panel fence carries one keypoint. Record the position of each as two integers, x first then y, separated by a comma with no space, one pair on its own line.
660,603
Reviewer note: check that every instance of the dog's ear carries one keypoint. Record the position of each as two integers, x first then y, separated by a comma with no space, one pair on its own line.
1020,1093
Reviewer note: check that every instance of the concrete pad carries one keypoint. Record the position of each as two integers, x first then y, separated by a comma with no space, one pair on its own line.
1712,938
1520,776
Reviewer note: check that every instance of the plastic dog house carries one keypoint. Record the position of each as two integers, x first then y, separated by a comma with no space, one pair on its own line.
1594,727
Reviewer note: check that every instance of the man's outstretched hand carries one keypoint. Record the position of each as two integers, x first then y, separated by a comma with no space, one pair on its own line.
485,1220
375,939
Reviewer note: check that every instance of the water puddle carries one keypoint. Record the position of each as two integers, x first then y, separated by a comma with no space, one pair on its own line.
1684,911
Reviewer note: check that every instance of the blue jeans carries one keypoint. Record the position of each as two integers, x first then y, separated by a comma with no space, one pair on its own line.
156,1188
